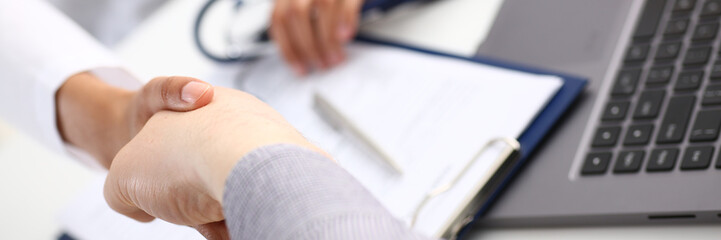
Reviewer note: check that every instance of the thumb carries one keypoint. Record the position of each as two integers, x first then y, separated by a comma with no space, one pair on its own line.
175,94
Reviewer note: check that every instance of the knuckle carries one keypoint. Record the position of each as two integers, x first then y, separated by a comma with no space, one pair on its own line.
114,195
301,7
351,9
166,90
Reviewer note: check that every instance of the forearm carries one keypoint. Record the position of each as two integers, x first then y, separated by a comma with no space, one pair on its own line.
289,192
91,115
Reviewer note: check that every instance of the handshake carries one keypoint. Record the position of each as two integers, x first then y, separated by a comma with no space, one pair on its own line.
175,168
218,160
170,146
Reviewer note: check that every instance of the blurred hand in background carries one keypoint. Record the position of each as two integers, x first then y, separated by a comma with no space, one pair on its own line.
311,33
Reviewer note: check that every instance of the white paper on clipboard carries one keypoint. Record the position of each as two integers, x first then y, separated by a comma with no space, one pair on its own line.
430,113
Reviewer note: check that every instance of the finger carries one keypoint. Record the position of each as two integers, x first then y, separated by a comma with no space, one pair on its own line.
304,40
118,201
170,93
324,26
175,94
214,230
350,10
279,19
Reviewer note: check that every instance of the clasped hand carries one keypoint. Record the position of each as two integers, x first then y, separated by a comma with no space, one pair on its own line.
175,167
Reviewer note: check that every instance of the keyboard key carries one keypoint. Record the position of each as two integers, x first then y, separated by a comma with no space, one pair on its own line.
649,20
689,81
684,5
675,120
637,53
615,111
596,163
649,104
628,162
706,126
638,135
626,82
711,8
662,160
712,95
716,71
705,31
697,158
676,27
697,56
661,75
668,50
606,136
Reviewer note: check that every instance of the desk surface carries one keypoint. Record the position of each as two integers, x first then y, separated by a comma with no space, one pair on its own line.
163,46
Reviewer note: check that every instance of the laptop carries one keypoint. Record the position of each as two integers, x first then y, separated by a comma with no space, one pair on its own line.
642,144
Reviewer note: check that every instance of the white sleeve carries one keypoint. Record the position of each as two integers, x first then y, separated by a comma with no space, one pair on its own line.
39,49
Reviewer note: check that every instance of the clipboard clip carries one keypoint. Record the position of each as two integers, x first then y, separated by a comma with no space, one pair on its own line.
513,147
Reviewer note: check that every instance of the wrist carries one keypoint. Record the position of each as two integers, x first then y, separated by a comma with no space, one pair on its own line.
218,160
221,157
216,171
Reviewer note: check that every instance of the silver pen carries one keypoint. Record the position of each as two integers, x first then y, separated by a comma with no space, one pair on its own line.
334,117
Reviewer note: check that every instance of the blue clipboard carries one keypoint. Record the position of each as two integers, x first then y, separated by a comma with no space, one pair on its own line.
533,135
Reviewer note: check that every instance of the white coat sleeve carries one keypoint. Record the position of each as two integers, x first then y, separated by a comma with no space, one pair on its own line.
39,49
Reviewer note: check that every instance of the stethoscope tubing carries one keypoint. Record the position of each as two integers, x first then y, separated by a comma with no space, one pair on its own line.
381,5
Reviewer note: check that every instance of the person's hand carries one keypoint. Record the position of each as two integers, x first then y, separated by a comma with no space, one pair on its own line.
311,33
100,119
175,167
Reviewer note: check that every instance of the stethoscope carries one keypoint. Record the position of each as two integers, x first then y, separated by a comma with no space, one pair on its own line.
247,37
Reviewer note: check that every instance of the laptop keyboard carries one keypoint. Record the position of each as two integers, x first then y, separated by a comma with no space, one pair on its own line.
664,109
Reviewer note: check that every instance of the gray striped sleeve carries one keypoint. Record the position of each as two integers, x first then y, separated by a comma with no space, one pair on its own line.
289,192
